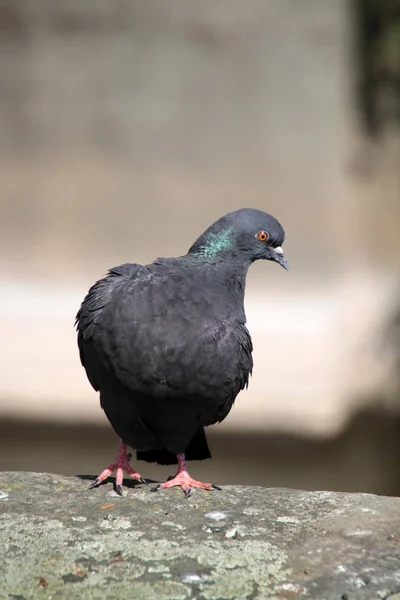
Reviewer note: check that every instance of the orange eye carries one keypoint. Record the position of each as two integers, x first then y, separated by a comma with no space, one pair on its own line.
262,236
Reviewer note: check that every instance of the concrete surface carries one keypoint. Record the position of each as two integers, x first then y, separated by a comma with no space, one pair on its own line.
60,540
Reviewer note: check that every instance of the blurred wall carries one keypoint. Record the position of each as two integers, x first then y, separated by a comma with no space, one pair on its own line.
126,128
114,112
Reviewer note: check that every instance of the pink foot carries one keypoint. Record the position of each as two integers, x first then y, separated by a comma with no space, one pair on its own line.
121,465
183,479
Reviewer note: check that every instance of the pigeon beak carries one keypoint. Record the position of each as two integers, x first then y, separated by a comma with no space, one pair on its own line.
279,257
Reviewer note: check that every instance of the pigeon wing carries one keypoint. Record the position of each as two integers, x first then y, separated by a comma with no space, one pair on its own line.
100,296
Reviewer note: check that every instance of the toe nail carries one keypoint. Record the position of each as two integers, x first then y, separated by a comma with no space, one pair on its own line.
188,493
118,489
216,487
155,488
92,485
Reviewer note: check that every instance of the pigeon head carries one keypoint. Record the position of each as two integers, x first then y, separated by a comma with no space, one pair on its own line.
248,232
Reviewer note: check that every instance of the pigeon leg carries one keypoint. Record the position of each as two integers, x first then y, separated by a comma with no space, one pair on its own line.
183,479
120,464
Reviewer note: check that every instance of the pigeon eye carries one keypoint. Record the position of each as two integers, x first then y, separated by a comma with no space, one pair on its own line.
262,236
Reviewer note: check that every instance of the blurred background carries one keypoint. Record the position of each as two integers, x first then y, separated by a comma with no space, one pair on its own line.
126,128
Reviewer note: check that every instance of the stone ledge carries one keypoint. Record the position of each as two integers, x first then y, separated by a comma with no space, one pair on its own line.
60,540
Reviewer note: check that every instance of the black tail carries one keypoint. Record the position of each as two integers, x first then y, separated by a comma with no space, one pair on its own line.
196,450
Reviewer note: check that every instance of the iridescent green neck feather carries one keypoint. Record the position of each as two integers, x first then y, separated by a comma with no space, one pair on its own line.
216,244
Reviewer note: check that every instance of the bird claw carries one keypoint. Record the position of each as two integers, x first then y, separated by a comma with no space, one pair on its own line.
188,492
186,482
216,487
94,484
120,464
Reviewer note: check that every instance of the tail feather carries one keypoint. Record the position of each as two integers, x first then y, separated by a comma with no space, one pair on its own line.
197,450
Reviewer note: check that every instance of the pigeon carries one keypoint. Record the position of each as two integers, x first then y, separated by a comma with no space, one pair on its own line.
167,347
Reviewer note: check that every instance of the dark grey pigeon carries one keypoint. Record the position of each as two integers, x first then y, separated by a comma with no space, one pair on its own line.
167,347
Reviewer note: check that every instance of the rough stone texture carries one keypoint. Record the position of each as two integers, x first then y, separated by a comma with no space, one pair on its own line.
59,540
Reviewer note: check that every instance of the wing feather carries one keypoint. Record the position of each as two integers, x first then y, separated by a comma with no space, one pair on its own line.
100,295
